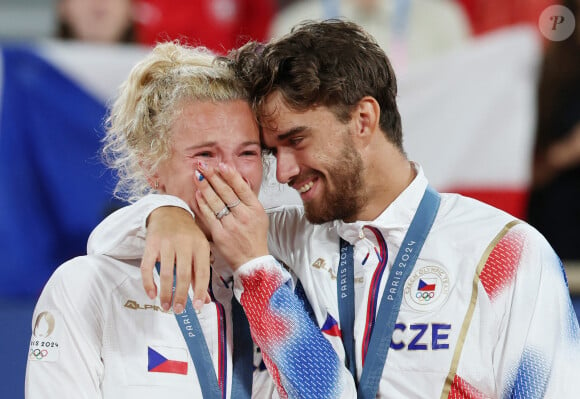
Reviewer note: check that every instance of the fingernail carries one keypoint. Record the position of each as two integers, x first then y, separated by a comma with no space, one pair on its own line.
198,304
151,294
223,167
178,308
165,306
199,176
202,165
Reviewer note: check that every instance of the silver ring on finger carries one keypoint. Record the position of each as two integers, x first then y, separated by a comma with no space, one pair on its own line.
222,213
236,203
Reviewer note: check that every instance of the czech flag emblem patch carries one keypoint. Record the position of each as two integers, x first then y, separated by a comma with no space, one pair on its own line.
330,327
167,360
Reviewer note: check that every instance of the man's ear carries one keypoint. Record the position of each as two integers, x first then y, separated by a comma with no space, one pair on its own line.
366,119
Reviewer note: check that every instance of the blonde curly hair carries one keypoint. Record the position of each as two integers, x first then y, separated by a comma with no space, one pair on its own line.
138,125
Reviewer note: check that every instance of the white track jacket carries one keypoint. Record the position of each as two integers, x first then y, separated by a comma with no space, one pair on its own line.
486,311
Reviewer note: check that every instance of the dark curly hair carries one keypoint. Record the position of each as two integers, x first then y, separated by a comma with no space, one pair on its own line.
333,63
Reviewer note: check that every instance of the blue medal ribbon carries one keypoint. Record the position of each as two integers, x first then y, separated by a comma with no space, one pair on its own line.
197,345
243,366
392,295
345,294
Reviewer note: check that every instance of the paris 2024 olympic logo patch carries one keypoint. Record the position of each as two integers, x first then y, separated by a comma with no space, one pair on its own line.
427,288
44,344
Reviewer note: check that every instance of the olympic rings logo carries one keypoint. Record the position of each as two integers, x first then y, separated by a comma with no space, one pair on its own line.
424,296
37,354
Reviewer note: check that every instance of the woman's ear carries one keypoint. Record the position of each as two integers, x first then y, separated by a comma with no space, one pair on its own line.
153,181
151,174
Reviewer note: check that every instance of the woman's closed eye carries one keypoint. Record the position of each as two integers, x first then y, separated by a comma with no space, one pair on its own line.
250,153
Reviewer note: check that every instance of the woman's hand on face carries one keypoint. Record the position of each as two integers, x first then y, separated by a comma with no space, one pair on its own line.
231,211
177,243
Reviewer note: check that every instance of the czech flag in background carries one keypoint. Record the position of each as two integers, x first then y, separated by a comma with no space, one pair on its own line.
55,188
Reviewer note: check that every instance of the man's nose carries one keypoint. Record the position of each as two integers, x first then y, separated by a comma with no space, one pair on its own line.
286,166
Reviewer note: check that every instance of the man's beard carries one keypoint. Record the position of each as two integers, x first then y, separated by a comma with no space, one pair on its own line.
347,198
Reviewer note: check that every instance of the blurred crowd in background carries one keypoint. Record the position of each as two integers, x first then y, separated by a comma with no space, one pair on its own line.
55,190
219,24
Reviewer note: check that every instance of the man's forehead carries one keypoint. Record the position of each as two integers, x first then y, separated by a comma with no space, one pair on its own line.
269,133
271,112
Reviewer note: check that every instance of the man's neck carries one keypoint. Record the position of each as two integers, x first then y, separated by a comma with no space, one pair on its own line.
388,173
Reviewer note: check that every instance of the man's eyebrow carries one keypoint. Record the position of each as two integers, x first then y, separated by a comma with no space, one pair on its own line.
291,132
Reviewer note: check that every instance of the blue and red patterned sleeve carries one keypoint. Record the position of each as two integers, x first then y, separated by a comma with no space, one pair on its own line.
301,361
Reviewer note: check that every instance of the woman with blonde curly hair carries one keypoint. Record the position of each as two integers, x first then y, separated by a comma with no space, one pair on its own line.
96,333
